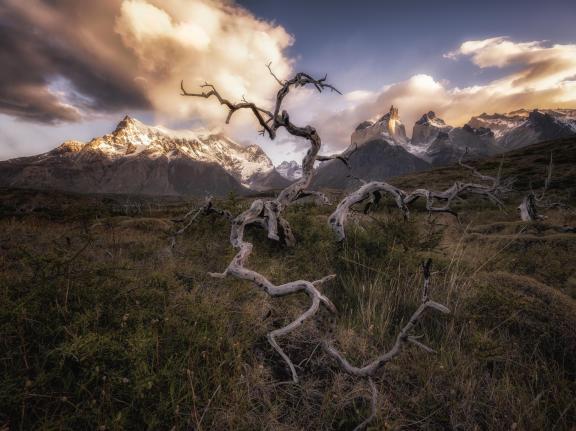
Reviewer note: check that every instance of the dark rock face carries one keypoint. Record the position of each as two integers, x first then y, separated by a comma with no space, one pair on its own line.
364,124
427,129
448,147
141,175
271,180
376,160
442,152
290,170
539,127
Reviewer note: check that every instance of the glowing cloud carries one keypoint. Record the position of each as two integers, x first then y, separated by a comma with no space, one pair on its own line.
543,76
126,55
201,41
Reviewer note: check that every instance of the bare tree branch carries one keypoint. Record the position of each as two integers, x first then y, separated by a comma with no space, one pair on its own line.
532,203
369,370
371,193
338,218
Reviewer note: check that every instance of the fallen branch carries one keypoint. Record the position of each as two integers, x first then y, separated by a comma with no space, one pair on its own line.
237,269
370,194
206,209
402,339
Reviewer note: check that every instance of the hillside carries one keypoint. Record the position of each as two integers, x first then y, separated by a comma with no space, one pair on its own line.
147,160
105,326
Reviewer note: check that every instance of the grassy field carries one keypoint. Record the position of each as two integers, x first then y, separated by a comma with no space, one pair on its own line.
103,326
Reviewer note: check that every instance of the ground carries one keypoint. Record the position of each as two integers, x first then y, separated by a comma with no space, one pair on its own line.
105,326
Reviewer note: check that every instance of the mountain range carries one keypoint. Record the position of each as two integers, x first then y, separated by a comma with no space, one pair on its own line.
379,149
153,160
140,159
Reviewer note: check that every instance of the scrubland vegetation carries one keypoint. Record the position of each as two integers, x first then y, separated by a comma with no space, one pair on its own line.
104,326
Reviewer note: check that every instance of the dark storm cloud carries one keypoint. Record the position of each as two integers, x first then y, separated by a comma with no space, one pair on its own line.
44,42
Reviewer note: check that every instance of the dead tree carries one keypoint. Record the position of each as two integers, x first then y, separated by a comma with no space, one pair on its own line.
403,338
271,121
369,194
268,213
533,202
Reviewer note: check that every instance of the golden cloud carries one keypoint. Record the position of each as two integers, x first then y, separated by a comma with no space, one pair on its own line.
132,54
544,76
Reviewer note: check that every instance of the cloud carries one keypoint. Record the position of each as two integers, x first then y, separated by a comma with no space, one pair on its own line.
535,74
126,55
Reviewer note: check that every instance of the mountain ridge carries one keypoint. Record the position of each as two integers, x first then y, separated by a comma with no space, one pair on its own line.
137,158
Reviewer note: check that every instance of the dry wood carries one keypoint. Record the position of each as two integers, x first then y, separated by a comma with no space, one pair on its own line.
370,193
402,339
268,213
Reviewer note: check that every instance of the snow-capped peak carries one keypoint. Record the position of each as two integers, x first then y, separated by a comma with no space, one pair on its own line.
387,127
290,170
132,138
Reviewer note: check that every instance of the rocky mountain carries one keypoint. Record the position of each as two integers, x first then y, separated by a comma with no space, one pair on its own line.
388,127
500,124
136,158
374,160
539,126
484,135
448,147
426,130
290,170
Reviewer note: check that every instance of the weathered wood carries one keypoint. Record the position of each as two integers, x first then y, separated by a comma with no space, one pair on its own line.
369,370
268,214
271,121
337,219
371,192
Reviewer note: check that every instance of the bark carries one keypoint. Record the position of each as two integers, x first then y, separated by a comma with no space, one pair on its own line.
527,209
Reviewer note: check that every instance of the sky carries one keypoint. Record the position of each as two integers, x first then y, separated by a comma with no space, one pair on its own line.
72,70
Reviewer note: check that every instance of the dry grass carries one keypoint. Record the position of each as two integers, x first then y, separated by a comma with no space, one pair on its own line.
103,326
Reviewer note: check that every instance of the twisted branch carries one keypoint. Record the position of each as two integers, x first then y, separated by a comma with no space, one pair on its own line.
271,121
369,370
370,194
237,269
269,213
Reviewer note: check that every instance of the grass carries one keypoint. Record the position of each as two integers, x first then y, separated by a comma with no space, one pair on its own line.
103,326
